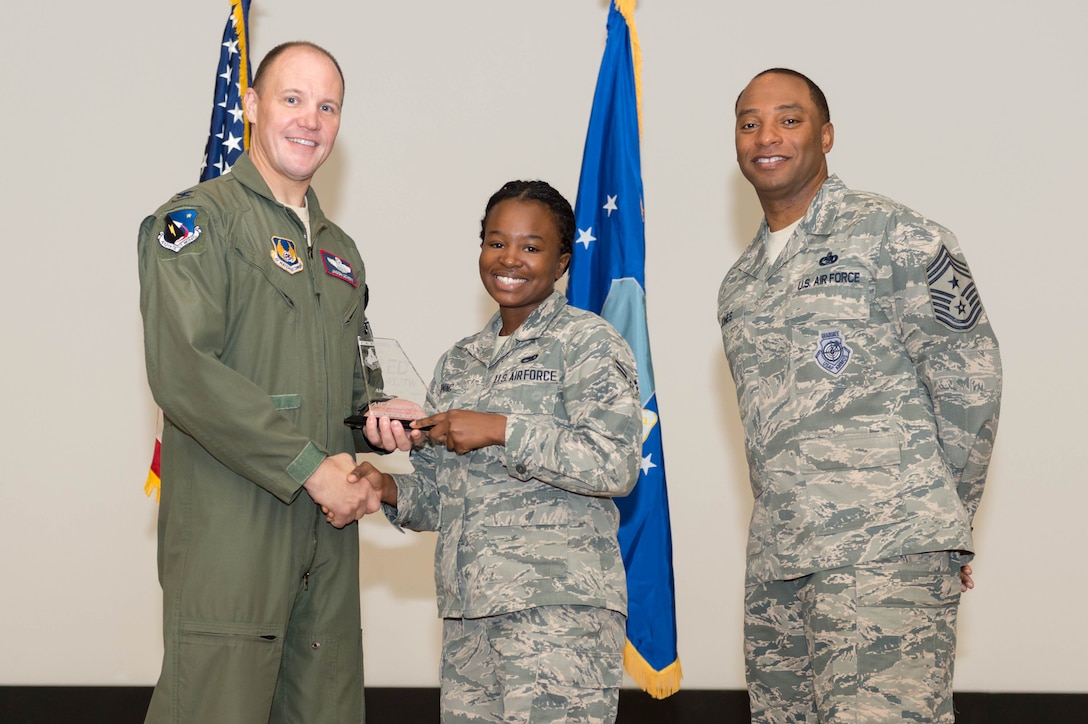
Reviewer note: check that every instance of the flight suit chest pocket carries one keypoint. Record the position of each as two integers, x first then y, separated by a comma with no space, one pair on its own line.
262,280
342,292
351,312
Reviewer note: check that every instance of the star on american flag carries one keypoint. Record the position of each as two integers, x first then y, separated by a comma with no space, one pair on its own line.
226,137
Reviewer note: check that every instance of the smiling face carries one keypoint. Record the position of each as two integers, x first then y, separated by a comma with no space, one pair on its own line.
782,140
295,115
520,258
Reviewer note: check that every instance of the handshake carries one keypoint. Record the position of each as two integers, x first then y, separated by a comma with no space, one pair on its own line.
347,492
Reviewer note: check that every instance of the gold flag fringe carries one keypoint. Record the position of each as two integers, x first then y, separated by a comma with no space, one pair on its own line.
153,485
658,684
243,65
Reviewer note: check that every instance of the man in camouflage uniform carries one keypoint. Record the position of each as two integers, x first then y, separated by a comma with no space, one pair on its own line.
868,380
528,570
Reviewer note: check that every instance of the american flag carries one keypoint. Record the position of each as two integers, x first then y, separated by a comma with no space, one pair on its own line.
228,137
229,134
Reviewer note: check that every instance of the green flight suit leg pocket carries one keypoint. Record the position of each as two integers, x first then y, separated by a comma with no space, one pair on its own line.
226,671
320,680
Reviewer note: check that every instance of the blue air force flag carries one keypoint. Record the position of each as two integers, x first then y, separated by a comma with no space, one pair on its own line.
607,277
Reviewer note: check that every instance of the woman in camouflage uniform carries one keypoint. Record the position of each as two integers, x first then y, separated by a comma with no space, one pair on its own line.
538,425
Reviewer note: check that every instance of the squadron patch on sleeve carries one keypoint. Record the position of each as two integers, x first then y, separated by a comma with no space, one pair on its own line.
179,230
337,267
285,255
952,291
832,353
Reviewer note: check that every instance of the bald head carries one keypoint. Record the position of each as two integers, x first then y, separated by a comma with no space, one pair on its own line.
272,56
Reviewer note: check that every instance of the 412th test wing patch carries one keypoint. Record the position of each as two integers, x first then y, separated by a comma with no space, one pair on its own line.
179,230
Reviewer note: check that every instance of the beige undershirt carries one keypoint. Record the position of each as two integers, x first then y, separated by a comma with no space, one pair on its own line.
304,217
500,342
777,240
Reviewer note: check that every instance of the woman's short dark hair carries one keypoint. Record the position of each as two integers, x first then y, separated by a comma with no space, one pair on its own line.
542,193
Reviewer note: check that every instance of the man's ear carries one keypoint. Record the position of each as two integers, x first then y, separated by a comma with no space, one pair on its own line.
249,104
827,136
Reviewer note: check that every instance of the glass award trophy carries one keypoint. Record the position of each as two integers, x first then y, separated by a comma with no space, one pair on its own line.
393,392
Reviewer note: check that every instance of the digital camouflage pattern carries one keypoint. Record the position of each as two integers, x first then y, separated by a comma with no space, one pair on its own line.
867,644
868,380
532,523
545,664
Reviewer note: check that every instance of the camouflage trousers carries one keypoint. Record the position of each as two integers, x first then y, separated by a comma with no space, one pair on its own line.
544,664
871,643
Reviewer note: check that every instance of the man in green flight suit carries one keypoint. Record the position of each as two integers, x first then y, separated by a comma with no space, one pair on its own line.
252,303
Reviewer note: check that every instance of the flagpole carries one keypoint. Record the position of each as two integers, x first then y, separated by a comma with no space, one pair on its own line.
607,275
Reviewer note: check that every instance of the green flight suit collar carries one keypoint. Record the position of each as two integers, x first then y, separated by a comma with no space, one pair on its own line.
248,175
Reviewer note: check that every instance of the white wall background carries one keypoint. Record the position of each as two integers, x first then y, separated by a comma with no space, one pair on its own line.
971,111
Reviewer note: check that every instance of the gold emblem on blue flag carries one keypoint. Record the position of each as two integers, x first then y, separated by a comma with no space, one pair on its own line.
285,255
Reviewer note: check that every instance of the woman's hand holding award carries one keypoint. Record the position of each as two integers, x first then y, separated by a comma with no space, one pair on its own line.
392,384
